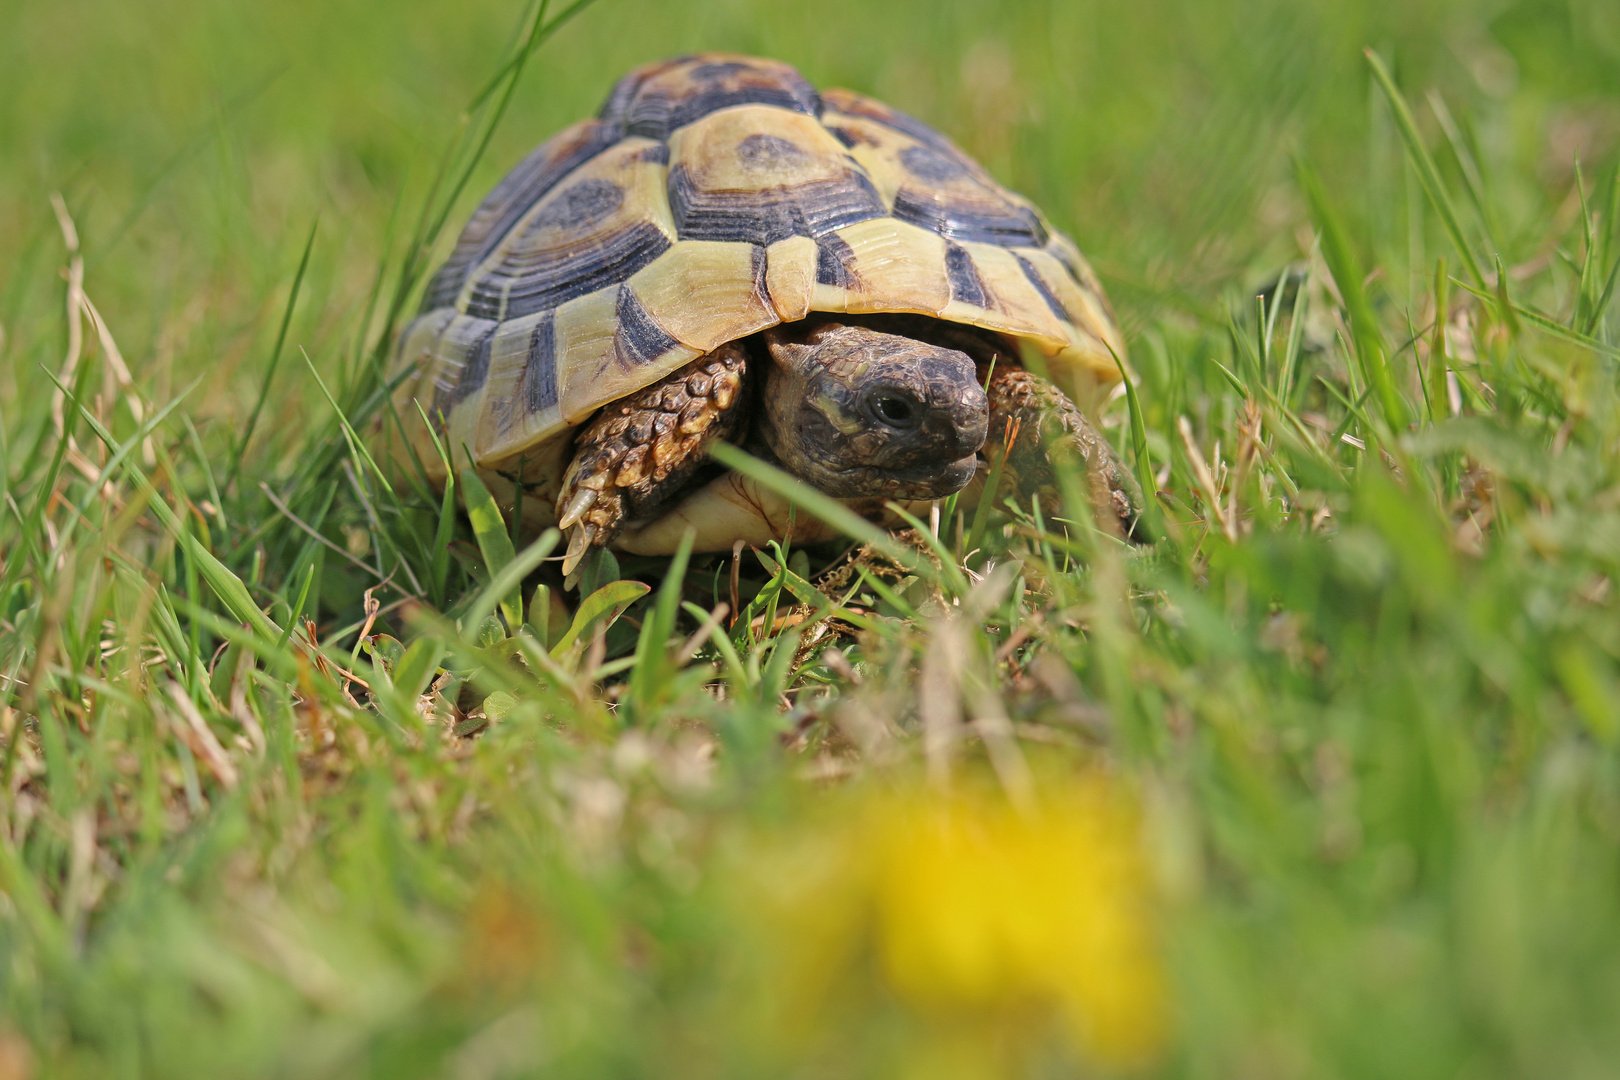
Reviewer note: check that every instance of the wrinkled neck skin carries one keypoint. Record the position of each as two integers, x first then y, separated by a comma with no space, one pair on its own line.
856,412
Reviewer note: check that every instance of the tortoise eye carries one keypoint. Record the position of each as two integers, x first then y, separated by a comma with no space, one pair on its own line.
896,411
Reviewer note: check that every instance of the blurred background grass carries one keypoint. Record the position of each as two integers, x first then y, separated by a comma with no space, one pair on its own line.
1369,728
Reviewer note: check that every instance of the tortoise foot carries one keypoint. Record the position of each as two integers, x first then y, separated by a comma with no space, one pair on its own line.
1035,421
638,453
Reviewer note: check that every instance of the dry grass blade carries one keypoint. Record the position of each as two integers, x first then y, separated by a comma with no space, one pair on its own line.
201,739
75,309
1206,480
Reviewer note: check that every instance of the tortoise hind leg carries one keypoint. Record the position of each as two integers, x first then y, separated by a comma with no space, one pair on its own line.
1041,418
638,452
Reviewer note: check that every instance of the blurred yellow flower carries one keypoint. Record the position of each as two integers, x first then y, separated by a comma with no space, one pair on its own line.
978,905
984,923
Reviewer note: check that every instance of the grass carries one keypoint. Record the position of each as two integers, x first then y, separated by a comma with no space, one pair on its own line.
307,773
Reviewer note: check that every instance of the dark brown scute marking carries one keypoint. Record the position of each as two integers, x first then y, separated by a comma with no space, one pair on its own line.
1082,275
464,346
714,72
759,263
851,137
834,258
894,119
931,166
654,102
1057,252
445,284
657,154
638,339
540,373
477,369
1010,225
587,203
768,153
1041,287
848,136
564,268
518,191
966,285
770,214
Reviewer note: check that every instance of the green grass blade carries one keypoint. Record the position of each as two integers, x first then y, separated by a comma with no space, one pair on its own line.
494,542
356,444
1139,445
1232,379
1473,180
605,605
1586,290
297,608
986,504
1346,270
1439,396
505,588
735,670
1540,321
416,667
225,584
1296,334
829,510
275,359
1428,175
658,630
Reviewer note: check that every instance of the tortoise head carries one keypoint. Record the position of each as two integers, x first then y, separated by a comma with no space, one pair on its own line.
857,413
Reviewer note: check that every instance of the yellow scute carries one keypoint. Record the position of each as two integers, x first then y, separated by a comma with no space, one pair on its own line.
709,150
704,293
897,267
790,276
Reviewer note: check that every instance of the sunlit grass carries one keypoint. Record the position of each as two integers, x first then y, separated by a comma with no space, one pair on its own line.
307,771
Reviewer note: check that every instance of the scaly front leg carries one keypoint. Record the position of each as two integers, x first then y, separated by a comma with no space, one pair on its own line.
637,453
1041,417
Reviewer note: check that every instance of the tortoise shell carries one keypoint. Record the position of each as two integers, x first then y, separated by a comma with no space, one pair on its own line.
715,196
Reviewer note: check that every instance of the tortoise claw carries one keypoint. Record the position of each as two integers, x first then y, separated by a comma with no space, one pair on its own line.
575,510
579,545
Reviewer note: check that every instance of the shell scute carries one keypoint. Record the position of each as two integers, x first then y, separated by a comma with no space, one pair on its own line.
850,104
463,354
757,174
658,100
706,293
604,220
1097,312
1092,325
929,182
790,276
1008,300
510,399
418,346
891,265
614,348
514,196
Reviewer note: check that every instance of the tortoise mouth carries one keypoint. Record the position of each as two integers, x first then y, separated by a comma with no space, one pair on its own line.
924,480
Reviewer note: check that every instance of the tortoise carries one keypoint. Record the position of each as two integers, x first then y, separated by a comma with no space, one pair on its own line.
726,253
